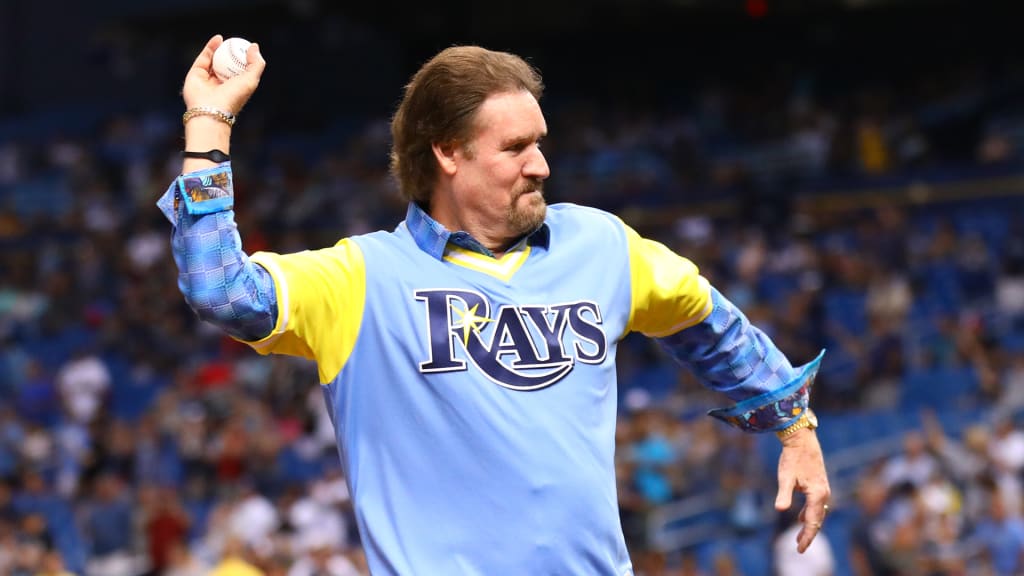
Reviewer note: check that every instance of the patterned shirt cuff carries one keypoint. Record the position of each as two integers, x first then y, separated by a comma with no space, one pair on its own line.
773,410
202,192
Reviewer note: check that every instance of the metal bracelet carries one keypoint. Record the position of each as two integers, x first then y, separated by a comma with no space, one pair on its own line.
225,117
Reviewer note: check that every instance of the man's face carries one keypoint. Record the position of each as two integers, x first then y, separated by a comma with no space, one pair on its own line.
501,170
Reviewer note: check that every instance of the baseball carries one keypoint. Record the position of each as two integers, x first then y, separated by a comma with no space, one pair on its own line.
229,58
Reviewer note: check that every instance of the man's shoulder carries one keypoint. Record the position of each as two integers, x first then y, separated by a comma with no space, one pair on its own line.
378,236
567,213
392,246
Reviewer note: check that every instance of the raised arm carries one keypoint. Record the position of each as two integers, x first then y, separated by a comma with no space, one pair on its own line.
205,95
307,304
214,274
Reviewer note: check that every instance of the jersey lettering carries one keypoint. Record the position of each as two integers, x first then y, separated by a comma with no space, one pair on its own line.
521,347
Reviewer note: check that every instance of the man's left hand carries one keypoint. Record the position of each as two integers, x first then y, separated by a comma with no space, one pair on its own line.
802,467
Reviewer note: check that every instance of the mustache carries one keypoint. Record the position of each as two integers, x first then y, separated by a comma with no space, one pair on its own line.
535,185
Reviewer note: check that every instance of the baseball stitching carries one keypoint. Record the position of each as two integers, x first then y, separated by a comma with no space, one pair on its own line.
240,64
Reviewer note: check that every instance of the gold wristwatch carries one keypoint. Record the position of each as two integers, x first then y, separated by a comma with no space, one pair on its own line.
806,420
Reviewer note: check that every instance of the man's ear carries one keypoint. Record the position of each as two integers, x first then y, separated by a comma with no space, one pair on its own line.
445,154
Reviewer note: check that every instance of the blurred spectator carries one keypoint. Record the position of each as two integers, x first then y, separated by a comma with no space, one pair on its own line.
252,518
967,463
725,565
52,565
233,561
37,399
653,456
114,450
321,558
317,518
35,542
871,532
1010,397
1009,287
166,527
37,447
108,519
180,562
689,566
940,522
83,382
999,538
1007,446
914,466
8,547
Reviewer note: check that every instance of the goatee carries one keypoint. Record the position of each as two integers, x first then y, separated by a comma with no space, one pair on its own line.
528,218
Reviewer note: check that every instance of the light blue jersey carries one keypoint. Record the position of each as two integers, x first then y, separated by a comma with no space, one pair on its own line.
473,397
476,412
498,400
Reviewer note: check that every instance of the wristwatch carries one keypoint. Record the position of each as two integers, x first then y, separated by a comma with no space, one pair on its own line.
806,420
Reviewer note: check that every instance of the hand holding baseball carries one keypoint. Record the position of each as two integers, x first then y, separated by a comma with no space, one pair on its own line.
230,58
204,87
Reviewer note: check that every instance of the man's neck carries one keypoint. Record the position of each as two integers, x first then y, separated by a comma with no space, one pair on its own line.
498,243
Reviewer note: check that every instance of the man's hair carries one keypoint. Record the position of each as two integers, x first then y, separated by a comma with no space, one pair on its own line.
440,105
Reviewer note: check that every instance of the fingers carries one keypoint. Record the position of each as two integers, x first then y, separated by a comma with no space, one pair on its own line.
205,59
802,467
203,88
253,57
813,517
243,85
254,63
784,499
805,537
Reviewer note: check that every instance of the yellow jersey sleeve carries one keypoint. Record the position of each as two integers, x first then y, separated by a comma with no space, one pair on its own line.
668,292
320,300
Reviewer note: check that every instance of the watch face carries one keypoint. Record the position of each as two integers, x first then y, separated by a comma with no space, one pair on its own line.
812,418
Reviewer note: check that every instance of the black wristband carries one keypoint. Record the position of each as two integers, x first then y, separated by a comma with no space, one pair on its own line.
212,155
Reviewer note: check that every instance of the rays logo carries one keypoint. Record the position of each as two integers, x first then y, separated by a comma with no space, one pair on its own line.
526,345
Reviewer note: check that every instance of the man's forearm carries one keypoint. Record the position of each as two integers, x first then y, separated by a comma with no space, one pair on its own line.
219,282
204,133
214,274
734,357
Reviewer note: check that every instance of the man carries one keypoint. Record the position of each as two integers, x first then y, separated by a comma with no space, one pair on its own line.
468,356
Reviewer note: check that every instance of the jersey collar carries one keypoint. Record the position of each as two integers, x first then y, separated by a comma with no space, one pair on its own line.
433,238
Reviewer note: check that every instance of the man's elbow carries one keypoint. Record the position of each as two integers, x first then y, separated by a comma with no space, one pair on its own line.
209,306
246,319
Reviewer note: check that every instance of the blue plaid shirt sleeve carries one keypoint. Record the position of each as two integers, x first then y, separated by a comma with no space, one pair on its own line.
215,276
732,356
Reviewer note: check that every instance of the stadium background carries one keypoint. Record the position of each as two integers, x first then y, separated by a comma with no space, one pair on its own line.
849,172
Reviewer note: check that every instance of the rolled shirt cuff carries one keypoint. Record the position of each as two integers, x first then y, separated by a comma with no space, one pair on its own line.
201,192
773,410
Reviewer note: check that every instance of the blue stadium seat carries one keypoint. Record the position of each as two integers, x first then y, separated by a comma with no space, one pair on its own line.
939,389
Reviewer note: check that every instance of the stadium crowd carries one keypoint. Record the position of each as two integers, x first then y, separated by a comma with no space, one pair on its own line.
136,440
